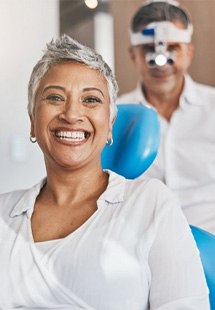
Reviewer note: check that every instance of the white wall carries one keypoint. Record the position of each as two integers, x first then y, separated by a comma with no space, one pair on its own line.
25,27
104,37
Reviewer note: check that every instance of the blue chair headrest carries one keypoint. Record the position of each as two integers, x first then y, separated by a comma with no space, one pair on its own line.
206,245
136,134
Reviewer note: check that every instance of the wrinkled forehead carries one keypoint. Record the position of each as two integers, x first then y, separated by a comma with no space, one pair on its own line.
163,31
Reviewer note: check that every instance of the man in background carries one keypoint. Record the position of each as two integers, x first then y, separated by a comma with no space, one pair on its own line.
161,51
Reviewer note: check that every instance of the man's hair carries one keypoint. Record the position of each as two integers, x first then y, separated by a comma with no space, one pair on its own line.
63,50
157,12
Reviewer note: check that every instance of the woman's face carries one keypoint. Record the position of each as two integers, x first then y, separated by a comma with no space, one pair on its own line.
71,121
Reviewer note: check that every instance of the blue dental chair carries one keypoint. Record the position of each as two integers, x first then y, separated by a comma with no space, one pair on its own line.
136,134
136,141
206,245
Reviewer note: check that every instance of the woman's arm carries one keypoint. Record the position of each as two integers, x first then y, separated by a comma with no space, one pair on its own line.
177,276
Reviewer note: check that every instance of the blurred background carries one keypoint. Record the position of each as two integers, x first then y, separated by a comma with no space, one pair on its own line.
26,26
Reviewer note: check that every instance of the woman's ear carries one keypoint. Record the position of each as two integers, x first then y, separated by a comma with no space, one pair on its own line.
111,122
32,125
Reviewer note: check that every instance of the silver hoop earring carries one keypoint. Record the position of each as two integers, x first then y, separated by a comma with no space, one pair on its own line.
109,142
33,139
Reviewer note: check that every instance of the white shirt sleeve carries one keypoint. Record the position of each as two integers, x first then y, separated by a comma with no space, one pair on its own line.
177,276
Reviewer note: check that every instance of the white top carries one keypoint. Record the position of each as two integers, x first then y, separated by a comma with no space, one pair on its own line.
186,157
136,252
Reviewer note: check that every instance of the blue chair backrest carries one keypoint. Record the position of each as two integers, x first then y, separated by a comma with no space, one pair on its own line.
136,134
206,245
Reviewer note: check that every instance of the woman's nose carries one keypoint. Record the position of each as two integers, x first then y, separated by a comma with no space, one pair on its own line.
72,112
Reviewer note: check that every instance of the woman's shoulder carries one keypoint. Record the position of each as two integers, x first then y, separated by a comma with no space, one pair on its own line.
146,194
148,186
139,187
147,203
9,200
151,197
12,195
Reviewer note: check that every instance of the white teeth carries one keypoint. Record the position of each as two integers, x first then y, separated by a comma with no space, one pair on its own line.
70,135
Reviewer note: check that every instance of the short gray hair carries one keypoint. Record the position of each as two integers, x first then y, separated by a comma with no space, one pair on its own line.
65,49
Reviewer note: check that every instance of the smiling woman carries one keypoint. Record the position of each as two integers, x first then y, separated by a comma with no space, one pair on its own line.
86,238
74,103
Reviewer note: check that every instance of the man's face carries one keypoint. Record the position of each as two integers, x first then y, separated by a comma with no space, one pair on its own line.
163,79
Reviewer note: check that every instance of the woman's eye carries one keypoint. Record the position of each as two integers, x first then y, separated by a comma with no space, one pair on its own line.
92,100
55,98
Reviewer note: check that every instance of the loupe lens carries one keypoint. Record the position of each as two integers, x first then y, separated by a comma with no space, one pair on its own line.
160,60
170,61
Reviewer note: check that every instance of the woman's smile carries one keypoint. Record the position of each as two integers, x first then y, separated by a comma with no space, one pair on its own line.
71,136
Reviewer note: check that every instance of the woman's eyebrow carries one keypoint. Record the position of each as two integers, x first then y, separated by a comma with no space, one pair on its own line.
93,88
53,86
63,89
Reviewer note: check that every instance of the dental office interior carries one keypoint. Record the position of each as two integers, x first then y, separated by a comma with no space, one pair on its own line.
26,26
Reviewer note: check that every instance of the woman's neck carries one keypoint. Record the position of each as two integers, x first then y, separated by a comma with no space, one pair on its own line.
66,186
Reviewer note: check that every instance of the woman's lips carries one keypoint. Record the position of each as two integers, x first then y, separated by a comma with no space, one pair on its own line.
72,136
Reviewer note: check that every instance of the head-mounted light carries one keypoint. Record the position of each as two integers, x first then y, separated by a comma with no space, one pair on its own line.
159,34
